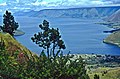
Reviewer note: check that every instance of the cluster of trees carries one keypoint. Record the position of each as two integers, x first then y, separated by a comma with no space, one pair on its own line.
50,64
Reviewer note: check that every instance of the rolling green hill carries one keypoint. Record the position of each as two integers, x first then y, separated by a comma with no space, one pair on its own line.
111,73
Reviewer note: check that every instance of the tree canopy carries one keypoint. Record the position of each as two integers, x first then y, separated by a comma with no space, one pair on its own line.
9,24
56,65
49,39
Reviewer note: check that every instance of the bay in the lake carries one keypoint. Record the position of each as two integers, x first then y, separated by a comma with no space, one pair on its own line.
80,35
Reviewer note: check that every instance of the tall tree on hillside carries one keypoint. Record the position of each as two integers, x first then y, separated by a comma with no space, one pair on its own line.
49,39
55,63
9,24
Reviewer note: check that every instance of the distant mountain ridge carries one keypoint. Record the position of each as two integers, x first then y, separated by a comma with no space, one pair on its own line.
115,17
86,12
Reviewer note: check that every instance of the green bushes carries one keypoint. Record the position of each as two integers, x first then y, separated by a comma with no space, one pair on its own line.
62,67
96,76
54,64
8,65
50,64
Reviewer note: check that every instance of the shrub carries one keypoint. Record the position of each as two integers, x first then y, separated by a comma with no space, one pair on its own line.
46,66
96,76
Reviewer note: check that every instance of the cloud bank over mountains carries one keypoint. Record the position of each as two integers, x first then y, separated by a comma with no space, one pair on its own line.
39,4
63,2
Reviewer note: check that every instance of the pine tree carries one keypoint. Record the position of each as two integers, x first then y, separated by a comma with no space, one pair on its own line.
9,24
49,39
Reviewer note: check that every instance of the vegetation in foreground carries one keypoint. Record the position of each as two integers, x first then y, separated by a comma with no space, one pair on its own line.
105,73
17,62
40,67
104,66
49,65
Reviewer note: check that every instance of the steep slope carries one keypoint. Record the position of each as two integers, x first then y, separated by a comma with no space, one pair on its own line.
115,17
13,45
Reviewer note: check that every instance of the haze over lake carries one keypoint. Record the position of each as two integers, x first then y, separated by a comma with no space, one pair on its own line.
80,35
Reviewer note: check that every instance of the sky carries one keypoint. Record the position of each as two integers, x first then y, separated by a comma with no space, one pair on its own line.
37,4
77,2
64,2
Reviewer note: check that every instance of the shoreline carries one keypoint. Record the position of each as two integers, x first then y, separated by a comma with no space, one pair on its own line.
112,43
19,33
113,38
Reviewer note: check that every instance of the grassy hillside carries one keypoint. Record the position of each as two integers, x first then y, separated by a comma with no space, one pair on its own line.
16,66
111,73
13,45
14,57
11,64
114,38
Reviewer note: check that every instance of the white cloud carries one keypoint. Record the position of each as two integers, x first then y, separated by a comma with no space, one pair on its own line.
3,4
17,1
63,3
97,2
40,3
74,2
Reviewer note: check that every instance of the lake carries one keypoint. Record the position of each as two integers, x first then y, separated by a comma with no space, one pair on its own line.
80,35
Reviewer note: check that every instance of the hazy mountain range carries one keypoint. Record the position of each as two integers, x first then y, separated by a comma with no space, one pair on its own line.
115,17
86,12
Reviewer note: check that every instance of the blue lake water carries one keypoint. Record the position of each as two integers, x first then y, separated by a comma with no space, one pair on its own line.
80,35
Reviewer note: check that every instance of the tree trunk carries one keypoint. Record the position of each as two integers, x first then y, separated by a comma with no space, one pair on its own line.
54,49
48,52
